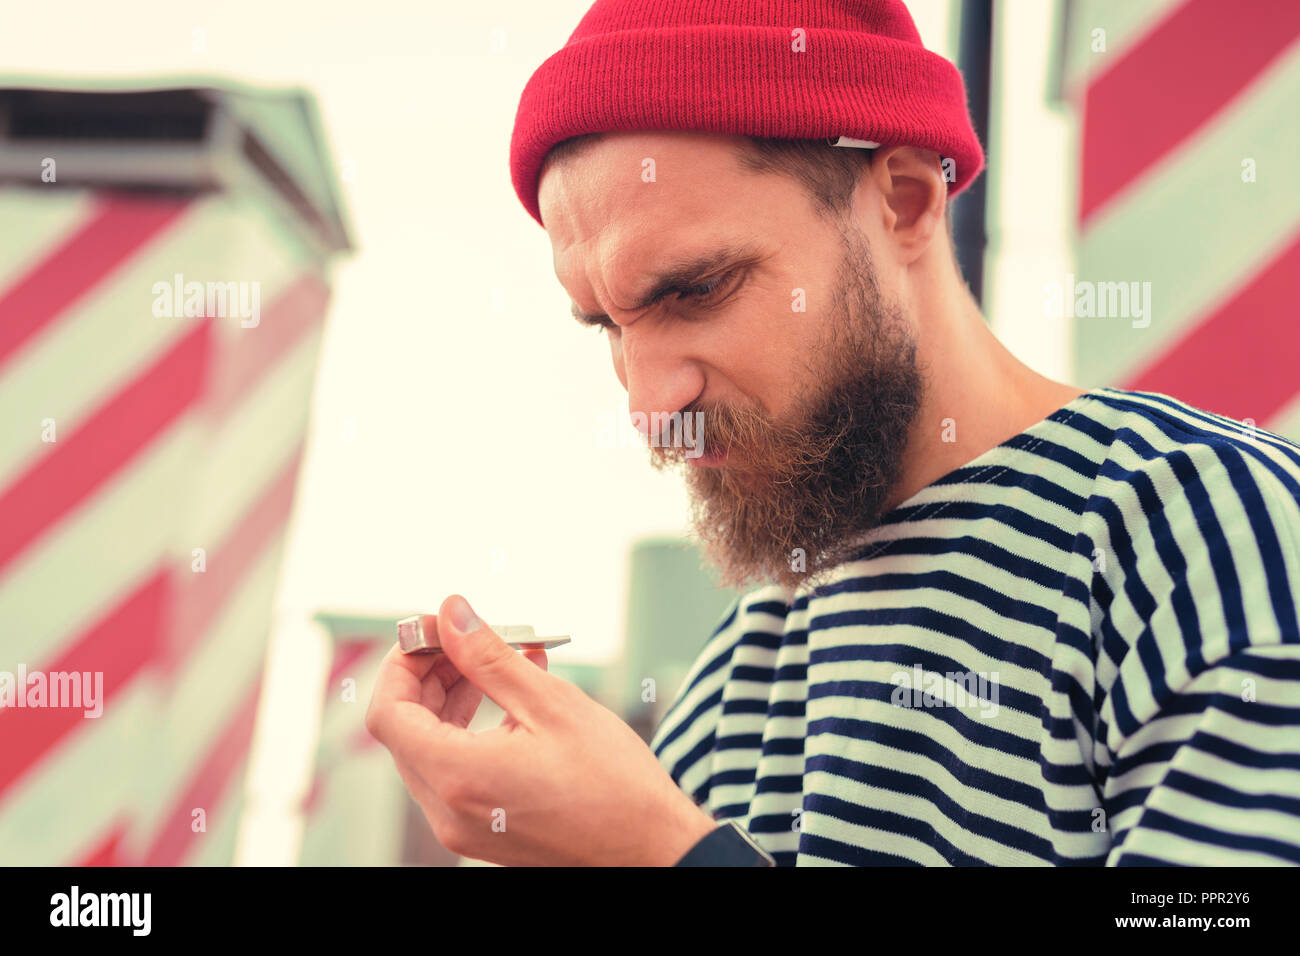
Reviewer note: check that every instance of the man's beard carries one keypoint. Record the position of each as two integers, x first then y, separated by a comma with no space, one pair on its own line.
794,497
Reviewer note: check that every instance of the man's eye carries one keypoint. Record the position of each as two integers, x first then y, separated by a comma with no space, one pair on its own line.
704,289
704,293
709,290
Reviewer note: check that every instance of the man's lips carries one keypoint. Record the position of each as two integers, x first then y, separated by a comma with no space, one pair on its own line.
710,459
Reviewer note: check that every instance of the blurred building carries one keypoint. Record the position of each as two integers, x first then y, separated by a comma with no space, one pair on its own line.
164,277
674,605
356,810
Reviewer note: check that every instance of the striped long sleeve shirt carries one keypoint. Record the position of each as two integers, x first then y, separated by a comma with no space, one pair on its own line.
1080,648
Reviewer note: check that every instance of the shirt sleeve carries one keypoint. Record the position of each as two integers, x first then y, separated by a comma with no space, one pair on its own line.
1214,778
1199,736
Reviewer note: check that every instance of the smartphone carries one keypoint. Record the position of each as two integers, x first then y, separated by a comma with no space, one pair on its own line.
417,638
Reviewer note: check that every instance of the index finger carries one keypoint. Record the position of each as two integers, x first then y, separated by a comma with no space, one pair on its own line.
400,675
399,686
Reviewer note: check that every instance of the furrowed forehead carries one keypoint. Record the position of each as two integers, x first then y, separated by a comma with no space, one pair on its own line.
686,174
620,241
570,148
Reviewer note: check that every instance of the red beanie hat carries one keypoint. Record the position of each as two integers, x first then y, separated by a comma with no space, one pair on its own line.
819,68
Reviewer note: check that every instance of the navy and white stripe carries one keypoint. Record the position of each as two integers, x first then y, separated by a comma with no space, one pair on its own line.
1125,572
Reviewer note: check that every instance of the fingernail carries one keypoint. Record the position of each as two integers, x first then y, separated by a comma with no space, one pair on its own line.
462,616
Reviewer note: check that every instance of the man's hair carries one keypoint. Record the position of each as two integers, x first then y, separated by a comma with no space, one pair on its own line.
828,174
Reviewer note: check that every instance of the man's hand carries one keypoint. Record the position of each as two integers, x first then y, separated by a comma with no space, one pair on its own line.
562,781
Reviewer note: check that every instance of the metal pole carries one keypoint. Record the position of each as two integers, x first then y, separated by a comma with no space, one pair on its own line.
974,59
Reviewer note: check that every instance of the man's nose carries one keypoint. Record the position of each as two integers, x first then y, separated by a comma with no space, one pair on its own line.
659,382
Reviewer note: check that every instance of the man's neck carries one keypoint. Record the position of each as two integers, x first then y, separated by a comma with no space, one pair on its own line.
977,395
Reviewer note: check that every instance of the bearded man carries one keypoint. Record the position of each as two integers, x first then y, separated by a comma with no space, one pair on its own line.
996,618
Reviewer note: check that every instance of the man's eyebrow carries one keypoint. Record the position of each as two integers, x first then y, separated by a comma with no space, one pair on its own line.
680,276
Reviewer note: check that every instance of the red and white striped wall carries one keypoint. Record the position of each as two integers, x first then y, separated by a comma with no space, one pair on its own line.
172,434
1189,153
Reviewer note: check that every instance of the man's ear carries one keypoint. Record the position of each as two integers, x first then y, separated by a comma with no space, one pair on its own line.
914,196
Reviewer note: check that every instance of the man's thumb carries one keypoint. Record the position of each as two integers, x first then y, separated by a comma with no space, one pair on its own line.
487,661
457,612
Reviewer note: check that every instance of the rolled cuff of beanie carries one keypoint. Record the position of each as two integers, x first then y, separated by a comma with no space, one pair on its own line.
745,82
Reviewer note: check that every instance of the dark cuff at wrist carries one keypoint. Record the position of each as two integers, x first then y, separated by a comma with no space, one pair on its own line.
727,845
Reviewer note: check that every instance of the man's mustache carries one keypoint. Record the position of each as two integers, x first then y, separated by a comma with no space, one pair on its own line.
718,429
752,441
